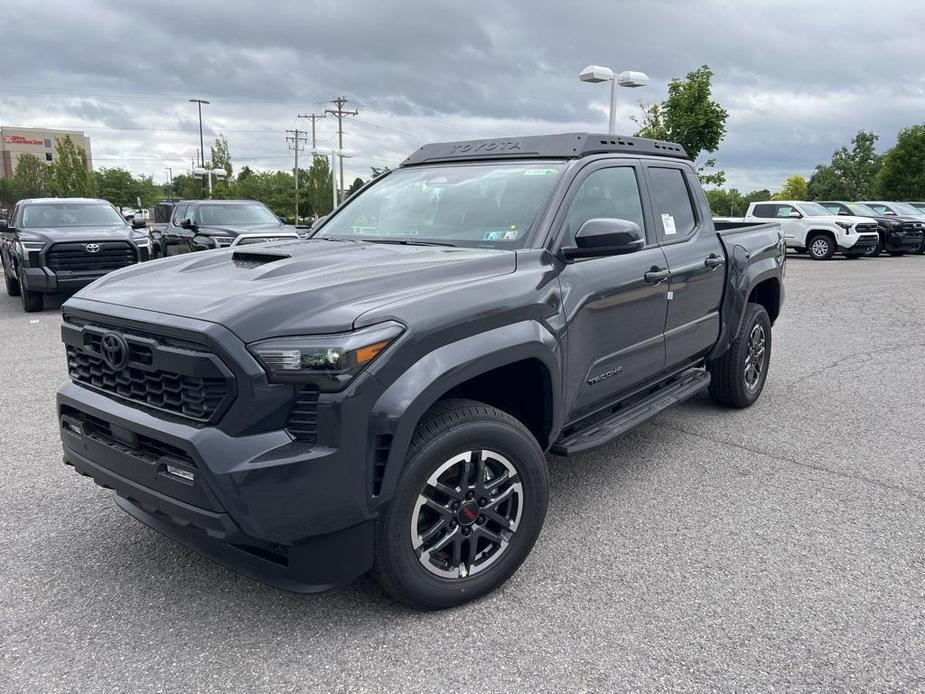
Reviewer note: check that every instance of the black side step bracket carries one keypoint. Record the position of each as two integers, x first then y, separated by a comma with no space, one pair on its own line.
632,415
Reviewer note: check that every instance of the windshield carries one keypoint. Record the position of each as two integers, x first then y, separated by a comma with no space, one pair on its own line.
814,209
483,205
904,208
70,215
860,210
238,215
920,206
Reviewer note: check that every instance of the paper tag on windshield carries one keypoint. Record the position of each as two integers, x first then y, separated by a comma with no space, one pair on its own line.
668,225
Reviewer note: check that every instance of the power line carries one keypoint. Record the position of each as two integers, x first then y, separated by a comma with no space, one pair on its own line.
340,113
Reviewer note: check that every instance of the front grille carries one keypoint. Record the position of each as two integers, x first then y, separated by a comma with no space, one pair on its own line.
865,228
188,396
74,256
303,420
166,374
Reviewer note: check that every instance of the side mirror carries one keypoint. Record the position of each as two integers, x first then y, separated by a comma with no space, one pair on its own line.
598,237
283,220
138,221
187,223
794,215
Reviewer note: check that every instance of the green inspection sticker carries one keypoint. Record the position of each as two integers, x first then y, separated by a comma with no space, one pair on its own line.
539,172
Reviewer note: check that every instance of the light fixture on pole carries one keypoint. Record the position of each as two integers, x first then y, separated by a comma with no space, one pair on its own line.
202,151
628,78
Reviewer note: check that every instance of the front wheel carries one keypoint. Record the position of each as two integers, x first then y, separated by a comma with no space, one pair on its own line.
821,247
31,301
467,510
738,376
12,284
874,251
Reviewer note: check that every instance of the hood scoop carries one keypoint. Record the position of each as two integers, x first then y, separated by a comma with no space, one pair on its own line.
252,259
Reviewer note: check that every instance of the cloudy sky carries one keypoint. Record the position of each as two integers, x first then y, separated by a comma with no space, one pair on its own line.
798,78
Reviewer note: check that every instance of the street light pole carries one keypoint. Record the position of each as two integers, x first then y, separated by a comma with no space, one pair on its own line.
202,147
628,78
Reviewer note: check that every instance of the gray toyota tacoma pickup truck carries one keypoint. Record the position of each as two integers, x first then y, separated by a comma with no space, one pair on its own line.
382,396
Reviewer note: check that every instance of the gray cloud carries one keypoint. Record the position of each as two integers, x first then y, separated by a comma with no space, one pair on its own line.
798,79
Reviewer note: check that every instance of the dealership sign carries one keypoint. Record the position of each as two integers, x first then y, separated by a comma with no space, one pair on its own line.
20,140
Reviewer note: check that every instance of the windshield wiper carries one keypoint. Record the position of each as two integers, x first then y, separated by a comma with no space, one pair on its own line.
411,242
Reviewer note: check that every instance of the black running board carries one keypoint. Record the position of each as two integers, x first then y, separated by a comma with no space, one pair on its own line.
632,415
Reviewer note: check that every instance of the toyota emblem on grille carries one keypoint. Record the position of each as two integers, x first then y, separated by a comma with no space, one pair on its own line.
92,248
114,350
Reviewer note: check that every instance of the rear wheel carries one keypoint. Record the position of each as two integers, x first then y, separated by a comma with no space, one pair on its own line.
738,376
920,249
31,301
821,247
467,509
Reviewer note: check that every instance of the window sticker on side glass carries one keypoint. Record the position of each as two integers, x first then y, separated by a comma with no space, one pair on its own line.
668,225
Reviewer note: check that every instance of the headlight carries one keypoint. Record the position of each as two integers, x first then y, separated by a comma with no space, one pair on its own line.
142,242
222,241
845,225
32,245
331,361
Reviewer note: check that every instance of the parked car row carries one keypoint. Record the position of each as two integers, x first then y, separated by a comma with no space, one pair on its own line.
58,245
854,229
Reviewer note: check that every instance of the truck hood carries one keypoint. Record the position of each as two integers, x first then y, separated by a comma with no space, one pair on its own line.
116,232
234,230
299,287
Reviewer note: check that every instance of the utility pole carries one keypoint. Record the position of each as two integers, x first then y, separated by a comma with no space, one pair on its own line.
296,139
314,117
170,180
202,147
339,113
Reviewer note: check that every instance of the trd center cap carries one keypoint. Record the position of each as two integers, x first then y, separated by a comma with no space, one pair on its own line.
467,513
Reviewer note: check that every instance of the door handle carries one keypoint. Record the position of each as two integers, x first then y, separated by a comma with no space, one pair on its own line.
656,275
713,261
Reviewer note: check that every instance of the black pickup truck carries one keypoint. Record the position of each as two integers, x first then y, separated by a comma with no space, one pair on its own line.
381,396
200,225
53,245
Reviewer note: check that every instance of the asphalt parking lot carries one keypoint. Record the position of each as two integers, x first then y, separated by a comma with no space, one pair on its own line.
780,547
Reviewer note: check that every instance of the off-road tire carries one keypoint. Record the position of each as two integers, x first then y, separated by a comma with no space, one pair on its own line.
451,428
729,385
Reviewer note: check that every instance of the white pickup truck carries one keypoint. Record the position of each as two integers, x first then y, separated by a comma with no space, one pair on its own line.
809,227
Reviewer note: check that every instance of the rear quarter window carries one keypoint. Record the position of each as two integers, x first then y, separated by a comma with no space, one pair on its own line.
674,209
766,211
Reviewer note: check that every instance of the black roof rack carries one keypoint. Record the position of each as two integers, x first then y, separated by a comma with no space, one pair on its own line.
561,146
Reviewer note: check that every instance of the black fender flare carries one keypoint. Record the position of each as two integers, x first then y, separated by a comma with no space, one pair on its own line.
745,273
399,409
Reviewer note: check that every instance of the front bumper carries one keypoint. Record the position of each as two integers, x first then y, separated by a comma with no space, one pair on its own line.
40,279
903,241
230,498
858,243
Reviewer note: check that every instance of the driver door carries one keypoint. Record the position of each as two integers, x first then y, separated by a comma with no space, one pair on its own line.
615,306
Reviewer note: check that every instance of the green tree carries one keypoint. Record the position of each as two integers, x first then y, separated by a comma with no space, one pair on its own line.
851,174
902,175
31,179
7,194
118,186
221,156
795,188
355,186
70,175
319,187
690,117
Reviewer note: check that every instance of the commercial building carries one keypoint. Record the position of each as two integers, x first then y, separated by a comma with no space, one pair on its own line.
14,142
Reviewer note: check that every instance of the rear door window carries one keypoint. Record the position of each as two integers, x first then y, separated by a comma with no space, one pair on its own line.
671,198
